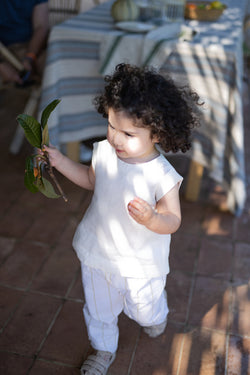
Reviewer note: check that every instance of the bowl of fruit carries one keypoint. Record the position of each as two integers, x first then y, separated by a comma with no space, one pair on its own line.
204,10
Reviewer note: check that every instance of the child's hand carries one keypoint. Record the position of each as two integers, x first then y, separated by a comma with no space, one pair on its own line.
55,156
141,211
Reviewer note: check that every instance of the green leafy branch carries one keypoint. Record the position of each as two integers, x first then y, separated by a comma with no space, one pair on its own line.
38,164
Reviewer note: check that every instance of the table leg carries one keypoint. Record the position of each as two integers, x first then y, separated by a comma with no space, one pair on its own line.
73,150
29,109
194,181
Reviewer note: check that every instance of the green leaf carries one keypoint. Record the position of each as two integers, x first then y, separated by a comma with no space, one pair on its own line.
45,135
46,188
47,111
29,177
32,129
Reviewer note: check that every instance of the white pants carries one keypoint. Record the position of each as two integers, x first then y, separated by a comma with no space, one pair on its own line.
106,296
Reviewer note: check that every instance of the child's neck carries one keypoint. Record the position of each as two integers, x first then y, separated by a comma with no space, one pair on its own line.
145,159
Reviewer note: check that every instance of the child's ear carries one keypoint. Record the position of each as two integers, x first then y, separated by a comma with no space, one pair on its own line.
155,139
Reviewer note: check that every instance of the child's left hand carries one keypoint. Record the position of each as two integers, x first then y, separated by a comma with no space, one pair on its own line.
141,211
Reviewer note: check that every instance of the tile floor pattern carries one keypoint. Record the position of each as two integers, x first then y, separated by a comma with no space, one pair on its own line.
42,328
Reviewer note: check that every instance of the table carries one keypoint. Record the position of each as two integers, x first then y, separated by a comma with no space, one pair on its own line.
211,63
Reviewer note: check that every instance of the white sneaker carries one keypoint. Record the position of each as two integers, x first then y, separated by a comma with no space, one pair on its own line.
98,363
157,330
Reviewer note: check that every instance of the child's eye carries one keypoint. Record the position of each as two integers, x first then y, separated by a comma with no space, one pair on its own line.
110,126
128,135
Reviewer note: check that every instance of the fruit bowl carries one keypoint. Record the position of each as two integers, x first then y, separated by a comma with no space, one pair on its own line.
204,10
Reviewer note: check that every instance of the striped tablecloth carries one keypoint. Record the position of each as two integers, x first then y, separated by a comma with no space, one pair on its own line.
211,63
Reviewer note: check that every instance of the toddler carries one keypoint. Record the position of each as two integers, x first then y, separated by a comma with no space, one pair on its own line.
123,239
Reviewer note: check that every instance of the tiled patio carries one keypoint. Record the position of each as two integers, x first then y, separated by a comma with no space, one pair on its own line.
42,328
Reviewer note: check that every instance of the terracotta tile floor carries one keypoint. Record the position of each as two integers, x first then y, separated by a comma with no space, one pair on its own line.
42,328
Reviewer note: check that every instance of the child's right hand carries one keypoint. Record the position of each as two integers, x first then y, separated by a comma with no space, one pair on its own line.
55,156
78,173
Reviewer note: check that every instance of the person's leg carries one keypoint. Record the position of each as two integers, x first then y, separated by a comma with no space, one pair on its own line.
146,303
102,306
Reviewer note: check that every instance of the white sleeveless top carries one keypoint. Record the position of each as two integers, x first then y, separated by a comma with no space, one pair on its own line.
108,238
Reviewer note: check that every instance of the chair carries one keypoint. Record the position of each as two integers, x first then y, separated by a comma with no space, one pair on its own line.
59,11
31,104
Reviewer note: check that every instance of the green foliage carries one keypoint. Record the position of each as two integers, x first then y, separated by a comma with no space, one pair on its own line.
35,165
29,178
45,187
47,111
45,135
32,129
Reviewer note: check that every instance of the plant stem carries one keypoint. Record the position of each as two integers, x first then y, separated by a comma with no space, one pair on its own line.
51,173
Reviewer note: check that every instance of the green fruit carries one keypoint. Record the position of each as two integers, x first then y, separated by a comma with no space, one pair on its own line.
124,10
217,5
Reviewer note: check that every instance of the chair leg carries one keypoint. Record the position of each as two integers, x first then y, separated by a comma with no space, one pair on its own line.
17,141
29,109
73,150
194,181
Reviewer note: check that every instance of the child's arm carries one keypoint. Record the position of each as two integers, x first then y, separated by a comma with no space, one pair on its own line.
165,218
80,174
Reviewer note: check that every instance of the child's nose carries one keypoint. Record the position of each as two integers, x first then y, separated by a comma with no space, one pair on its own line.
117,138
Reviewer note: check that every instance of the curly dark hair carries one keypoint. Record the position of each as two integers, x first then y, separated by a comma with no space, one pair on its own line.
143,94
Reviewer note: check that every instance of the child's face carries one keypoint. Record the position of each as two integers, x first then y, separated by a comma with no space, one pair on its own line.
134,144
